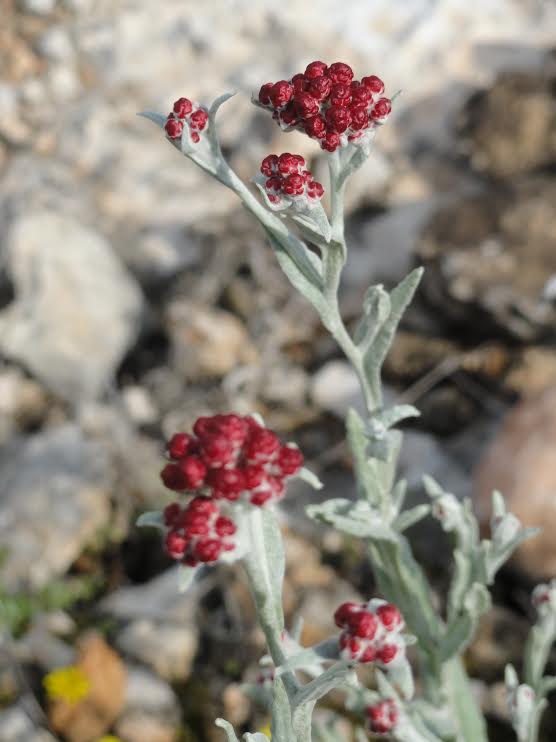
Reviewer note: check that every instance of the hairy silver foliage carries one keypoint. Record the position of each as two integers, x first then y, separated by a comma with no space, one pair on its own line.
447,711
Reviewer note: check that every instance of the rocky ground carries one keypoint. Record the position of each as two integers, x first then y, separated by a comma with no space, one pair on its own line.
135,295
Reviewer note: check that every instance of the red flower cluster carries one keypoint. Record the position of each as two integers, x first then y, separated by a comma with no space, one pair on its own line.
327,103
383,716
197,532
371,632
228,457
287,179
189,114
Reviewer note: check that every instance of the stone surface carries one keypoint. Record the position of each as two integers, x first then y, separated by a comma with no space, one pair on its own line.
161,629
54,496
167,648
520,463
17,725
92,716
157,598
488,258
335,388
207,342
140,726
23,403
151,713
76,310
511,126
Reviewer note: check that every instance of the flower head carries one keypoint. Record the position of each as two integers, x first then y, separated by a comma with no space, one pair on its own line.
328,104
230,457
186,117
286,182
227,458
68,684
371,632
197,532
383,716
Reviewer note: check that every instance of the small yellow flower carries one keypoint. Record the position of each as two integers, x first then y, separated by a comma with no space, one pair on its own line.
109,738
266,730
68,684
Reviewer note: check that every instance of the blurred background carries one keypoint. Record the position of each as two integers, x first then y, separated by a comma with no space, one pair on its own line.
136,294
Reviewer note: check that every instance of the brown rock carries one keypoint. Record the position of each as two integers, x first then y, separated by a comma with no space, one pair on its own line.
207,342
512,126
521,464
90,718
488,259
140,726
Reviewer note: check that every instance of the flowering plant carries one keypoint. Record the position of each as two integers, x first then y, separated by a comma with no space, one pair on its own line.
233,471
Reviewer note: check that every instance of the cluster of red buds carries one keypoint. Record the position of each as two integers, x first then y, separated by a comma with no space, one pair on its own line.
186,114
383,716
327,104
544,597
289,182
227,458
198,532
371,632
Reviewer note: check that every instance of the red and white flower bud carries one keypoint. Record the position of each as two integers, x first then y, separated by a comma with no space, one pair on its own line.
382,717
186,117
371,632
198,532
286,182
230,457
328,105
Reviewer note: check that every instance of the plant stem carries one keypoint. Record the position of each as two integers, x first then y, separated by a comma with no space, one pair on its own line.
265,581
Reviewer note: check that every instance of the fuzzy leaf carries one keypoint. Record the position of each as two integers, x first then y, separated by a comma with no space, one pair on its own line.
461,630
355,518
468,717
152,518
265,565
228,728
186,575
300,271
409,517
375,477
383,420
311,658
281,725
156,118
310,477
376,352
315,220
334,677
376,310
401,677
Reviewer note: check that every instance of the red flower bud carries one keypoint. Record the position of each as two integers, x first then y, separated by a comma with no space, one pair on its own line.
193,470
315,127
315,70
264,93
281,93
338,119
173,128
294,185
182,107
374,84
306,105
381,109
269,165
198,119
340,72
320,88
179,445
